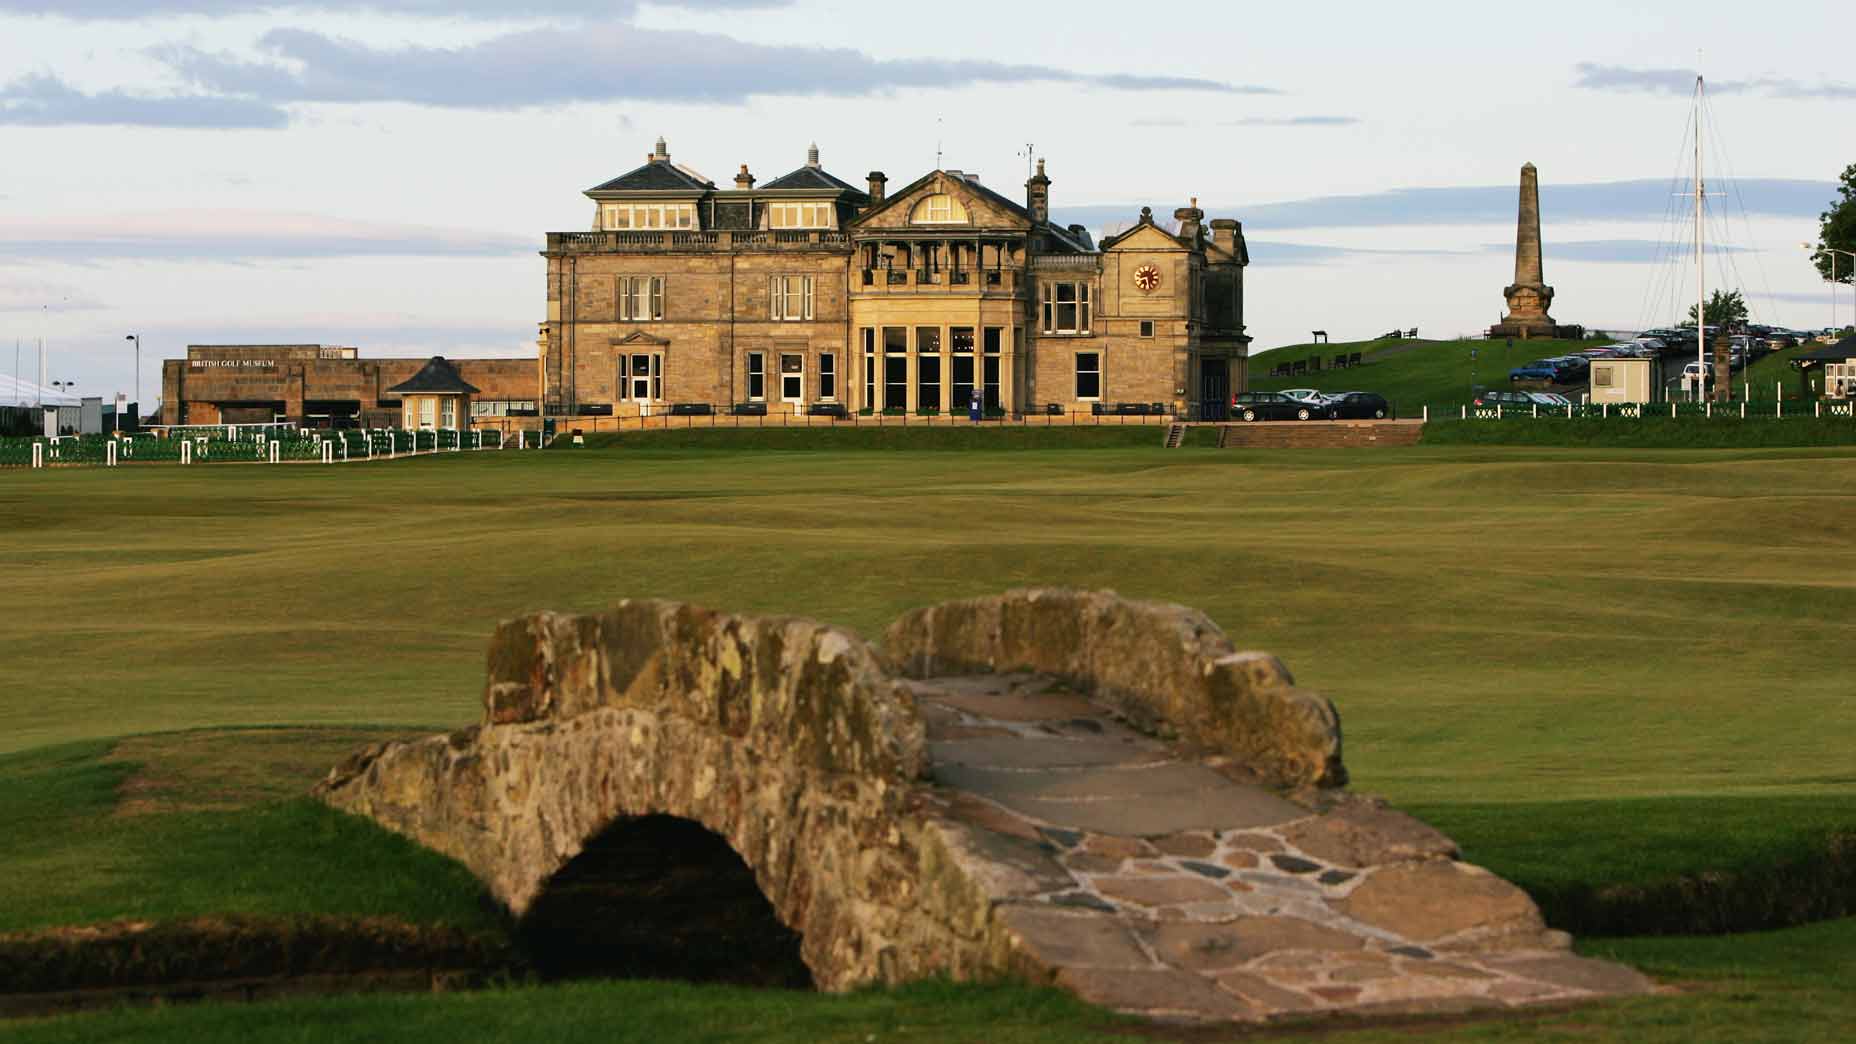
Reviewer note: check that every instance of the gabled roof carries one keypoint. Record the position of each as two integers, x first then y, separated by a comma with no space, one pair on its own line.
895,198
1146,221
438,377
810,177
655,176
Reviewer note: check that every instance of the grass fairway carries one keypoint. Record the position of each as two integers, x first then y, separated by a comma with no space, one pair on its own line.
1540,650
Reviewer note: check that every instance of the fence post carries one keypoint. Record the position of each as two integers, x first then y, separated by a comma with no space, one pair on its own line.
1672,409
1779,408
38,454
1498,411
186,450
393,443
1465,412
1536,411
273,444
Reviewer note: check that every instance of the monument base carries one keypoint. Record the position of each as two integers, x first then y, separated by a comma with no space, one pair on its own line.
1532,330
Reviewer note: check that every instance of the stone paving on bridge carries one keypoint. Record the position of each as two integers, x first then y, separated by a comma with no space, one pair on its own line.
1174,890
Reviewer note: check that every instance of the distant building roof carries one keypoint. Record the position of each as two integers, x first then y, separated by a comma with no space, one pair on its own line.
659,175
438,377
1841,350
810,177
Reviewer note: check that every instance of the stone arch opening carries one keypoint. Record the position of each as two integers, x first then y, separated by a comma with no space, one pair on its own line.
660,897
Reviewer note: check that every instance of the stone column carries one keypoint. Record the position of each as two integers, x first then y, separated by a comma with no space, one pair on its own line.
1527,267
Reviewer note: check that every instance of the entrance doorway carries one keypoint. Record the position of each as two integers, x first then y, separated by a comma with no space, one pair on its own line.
793,380
1214,389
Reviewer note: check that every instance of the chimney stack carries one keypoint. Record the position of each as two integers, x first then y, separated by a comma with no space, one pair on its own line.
1190,218
877,182
1225,233
744,180
1037,196
662,155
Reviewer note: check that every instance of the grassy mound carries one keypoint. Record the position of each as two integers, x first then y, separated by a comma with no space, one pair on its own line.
1409,373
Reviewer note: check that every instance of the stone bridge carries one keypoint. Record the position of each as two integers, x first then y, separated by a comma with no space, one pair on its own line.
1057,786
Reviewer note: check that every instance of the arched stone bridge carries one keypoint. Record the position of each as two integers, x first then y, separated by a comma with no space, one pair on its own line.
1054,785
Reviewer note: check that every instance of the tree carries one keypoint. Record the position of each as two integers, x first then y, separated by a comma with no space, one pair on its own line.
1725,308
1837,228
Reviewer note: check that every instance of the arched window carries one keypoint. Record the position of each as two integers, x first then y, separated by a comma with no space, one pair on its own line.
939,209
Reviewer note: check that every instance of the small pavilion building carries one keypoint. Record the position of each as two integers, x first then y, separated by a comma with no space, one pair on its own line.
436,398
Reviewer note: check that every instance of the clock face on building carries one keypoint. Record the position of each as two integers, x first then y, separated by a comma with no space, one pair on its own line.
1147,277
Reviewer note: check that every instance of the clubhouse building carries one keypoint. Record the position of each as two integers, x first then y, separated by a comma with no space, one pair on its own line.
805,294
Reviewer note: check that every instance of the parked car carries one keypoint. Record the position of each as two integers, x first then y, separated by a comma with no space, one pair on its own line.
1312,396
1261,406
1554,399
1357,404
1539,370
1504,399
1689,372
1654,345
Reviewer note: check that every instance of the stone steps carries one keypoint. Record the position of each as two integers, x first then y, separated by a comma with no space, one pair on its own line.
1319,434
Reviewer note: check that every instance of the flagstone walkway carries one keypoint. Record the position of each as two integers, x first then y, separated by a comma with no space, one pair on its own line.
1165,885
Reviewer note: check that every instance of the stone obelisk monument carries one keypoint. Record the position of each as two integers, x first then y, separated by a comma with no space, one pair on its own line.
1528,296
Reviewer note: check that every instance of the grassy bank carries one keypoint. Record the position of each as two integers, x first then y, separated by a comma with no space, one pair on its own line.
1792,986
1650,432
1410,374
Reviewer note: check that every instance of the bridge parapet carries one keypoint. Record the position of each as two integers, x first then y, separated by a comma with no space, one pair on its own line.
1167,667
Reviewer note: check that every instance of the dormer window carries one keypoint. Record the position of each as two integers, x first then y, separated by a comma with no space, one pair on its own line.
801,215
939,209
621,217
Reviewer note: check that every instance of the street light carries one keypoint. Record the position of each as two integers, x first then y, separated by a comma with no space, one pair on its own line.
137,338
1833,252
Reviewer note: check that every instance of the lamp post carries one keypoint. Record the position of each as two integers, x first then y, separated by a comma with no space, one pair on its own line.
137,338
1833,252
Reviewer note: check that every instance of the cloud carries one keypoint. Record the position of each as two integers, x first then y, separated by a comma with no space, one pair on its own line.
1293,121
118,10
1601,202
239,237
1253,121
1617,251
1271,252
45,297
598,63
45,101
1593,76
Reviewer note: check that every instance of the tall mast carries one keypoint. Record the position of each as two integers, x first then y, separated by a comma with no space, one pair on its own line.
1701,268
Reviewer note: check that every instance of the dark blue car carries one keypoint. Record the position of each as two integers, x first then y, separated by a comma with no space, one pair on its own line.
1538,370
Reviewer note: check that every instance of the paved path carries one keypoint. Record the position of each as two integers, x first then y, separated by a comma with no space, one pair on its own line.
1166,886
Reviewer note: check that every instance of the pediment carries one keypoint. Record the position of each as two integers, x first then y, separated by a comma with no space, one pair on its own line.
1144,236
640,337
985,209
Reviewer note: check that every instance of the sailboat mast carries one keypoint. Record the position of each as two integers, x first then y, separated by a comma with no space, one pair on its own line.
1701,268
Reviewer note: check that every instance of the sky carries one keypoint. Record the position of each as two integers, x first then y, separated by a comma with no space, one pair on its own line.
382,173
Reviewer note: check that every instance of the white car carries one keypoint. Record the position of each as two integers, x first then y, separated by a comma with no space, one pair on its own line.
1311,396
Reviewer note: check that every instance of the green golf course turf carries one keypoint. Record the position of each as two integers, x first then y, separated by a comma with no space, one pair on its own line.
1592,667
